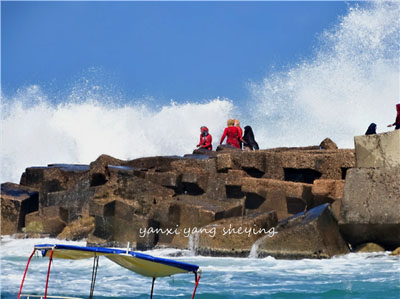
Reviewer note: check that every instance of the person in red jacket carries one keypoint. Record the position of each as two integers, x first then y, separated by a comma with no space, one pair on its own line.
237,125
397,121
233,134
205,139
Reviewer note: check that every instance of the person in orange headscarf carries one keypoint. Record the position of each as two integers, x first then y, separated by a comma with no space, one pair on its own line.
205,139
397,121
233,134
237,125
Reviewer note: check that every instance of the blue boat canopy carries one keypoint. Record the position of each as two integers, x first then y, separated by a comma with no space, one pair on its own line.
140,263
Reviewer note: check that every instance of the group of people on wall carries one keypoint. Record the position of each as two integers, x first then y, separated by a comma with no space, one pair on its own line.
234,137
372,127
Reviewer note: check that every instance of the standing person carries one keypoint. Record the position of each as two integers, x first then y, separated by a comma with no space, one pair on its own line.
371,129
233,134
237,125
248,139
205,139
397,121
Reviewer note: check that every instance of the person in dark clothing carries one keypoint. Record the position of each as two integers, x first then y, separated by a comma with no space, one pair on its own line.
397,121
248,139
205,139
371,129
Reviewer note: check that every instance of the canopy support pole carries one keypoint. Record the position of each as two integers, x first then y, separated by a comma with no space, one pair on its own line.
196,279
152,288
48,273
94,275
26,270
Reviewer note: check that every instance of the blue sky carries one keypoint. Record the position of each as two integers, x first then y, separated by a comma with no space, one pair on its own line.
186,51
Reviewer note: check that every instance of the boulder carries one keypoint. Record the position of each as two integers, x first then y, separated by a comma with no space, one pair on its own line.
185,213
55,177
16,202
78,229
396,251
49,220
286,198
328,144
99,173
369,247
117,231
311,234
75,201
370,210
328,191
233,236
305,166
378,150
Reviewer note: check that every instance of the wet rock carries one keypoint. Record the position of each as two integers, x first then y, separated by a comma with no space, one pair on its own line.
311,234
370,210
49,220
233,236
121,231
378,150
78,229
396,251
369,247
185,213
16,202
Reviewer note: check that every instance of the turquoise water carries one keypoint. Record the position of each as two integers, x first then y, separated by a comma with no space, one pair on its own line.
351,276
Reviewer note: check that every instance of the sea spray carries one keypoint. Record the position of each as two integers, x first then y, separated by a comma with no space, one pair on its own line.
351,81
36,132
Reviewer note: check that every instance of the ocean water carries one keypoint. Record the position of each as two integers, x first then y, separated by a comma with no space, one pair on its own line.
372,275
351,80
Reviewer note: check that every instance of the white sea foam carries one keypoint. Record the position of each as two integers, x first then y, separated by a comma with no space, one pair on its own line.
229,276
35,132
352,81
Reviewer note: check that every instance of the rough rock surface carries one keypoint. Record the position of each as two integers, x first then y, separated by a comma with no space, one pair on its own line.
328,191
16,202
378,150
115,202
312,234
233,236
370,210
78,229
48,220
369,247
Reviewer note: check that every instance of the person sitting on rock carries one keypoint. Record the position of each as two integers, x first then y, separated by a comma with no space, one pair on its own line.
371,129
397,121
205,139
233,134
237,125
248,139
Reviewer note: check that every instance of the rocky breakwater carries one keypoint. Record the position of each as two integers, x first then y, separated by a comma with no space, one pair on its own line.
189,201
370,210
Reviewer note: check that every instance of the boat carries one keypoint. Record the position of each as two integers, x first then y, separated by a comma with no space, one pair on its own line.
143,264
